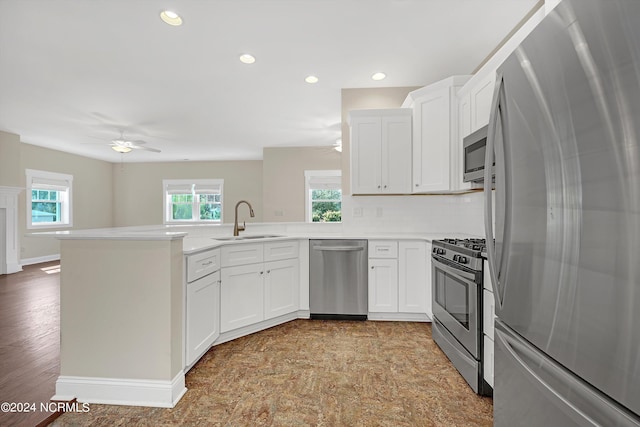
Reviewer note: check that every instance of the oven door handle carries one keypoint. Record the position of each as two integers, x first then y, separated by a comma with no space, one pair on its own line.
463,275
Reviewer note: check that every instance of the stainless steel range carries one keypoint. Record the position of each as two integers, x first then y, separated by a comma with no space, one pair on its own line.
457,306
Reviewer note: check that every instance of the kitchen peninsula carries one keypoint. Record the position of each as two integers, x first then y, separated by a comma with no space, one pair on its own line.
123,298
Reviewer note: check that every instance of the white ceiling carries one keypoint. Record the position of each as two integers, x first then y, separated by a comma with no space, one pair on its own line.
74,73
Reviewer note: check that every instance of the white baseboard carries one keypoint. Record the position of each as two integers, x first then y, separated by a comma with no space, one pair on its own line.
399,317
40,259
13,267
112,391
246,330
304,314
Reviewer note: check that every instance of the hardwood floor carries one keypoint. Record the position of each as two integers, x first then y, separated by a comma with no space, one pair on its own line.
30,345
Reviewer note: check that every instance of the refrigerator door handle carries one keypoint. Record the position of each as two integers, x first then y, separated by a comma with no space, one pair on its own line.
590,407
488,209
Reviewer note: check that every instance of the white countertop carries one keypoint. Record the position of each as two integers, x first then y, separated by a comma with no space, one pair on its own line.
196,239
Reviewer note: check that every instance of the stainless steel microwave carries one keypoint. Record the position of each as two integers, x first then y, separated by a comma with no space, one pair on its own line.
474,152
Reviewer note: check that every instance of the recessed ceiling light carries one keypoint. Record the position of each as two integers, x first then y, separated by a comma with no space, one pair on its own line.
378,76
247,59
171,18
311,79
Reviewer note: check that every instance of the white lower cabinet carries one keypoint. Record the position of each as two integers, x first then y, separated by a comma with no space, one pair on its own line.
413,278
281,290
488,319
383,285
260,291
203,322
487,361
241,296
399,283
202,304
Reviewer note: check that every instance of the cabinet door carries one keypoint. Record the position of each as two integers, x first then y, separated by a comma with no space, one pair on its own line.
487,359
428,283
412,274
431,141
396,154
280,288
488,312
202,316
464,116
241,296
366,142
457,145
481,98
383,285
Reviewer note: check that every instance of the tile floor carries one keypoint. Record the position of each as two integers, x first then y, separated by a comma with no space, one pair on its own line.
316,373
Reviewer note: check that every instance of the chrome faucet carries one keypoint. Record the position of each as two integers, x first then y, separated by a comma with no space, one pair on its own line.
238,228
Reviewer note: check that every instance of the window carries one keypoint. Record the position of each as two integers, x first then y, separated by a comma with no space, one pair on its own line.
190,201
323,194
49,199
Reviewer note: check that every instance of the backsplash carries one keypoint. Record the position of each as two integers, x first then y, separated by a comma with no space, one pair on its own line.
462,213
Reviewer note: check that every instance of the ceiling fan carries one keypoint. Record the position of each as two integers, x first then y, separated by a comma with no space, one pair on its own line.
123,145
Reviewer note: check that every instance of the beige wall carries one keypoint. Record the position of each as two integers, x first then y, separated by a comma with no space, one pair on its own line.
138,188
359,99
92,194
9,159
283,183
133,331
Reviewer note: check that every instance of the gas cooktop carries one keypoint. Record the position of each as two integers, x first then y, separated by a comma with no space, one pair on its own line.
469,247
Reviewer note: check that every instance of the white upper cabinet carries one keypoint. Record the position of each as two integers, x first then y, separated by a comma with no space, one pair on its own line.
435,131
481,96
380,151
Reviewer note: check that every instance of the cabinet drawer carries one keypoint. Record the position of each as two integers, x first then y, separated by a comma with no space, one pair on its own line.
276,251
488,312
383,249
201,264
241,254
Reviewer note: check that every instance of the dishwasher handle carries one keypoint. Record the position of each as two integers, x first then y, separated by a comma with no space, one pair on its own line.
339,248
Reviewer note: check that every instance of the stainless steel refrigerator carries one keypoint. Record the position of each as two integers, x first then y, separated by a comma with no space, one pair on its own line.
565,130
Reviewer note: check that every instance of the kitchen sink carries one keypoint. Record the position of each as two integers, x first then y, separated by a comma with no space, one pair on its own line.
248,237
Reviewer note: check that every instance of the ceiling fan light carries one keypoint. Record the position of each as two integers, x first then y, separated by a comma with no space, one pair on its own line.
247,59
171,18
120,148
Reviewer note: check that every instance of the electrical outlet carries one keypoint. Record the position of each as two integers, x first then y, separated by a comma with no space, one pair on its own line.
357,212
378,212
278,213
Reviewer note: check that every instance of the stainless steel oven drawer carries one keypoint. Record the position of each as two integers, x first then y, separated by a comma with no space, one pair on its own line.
468,367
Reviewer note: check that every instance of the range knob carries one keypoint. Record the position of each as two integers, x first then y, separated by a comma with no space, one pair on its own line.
435,250
462,259
441,251
455,258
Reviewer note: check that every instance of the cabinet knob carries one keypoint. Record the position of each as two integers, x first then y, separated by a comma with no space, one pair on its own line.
268,271
262,272
417,185
372,267
385,186
378,186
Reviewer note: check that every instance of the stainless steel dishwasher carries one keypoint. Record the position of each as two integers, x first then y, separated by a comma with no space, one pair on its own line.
338,279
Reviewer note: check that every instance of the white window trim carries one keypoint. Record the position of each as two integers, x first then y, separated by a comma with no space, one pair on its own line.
308,175
65,182
165,201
